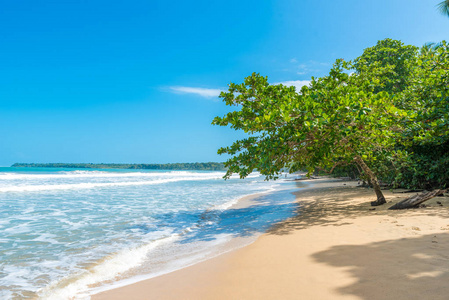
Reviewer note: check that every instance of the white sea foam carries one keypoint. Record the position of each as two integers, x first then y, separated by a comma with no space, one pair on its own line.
46,238
103,174
60,243
234,201
90,185
106,270
21,228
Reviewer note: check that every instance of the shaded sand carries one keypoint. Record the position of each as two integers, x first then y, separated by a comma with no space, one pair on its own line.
336,248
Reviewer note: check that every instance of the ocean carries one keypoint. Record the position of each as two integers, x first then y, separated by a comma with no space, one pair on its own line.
66,234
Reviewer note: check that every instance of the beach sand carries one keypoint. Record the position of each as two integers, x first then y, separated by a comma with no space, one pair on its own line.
335,248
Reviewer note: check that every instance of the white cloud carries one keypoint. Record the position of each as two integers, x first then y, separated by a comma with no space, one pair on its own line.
212,93
310,67
203,92
298,84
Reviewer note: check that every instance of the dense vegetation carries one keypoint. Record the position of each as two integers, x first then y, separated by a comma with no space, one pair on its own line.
209,166
383,115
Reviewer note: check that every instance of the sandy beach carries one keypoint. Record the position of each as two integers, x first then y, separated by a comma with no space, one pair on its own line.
335,248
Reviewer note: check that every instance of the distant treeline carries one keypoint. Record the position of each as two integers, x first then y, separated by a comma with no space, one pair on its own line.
210,166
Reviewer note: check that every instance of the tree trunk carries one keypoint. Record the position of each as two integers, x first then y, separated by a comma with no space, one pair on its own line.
380,197
415,200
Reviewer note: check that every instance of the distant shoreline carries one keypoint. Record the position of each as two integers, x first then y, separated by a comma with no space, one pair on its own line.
206,166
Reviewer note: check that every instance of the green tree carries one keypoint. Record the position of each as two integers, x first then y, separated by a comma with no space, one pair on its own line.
426,127
391,62
418,81
389,117
339,119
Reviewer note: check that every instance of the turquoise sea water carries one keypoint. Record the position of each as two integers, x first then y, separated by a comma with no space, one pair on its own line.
67,233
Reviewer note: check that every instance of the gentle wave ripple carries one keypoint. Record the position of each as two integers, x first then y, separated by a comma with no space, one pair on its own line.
63,232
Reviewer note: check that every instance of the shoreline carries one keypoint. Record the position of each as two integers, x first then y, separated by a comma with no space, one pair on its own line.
335,248
236,243
242,205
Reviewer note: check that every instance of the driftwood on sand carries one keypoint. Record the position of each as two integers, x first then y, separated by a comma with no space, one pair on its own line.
416,200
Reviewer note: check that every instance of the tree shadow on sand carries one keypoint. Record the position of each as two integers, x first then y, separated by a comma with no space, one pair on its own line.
335,206
408,268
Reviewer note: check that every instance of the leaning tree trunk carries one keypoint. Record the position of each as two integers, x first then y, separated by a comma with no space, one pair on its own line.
380,197
416,200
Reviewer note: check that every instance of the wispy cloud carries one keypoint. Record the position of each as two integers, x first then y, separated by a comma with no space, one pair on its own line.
298,84
203,92
309,67
213,93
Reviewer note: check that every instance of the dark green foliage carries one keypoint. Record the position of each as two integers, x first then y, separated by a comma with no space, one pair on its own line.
425,140
349,171
209,166
427,167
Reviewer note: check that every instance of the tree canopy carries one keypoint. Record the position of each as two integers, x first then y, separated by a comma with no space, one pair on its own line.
374,111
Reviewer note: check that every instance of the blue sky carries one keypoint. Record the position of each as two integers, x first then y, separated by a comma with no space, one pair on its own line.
136,81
